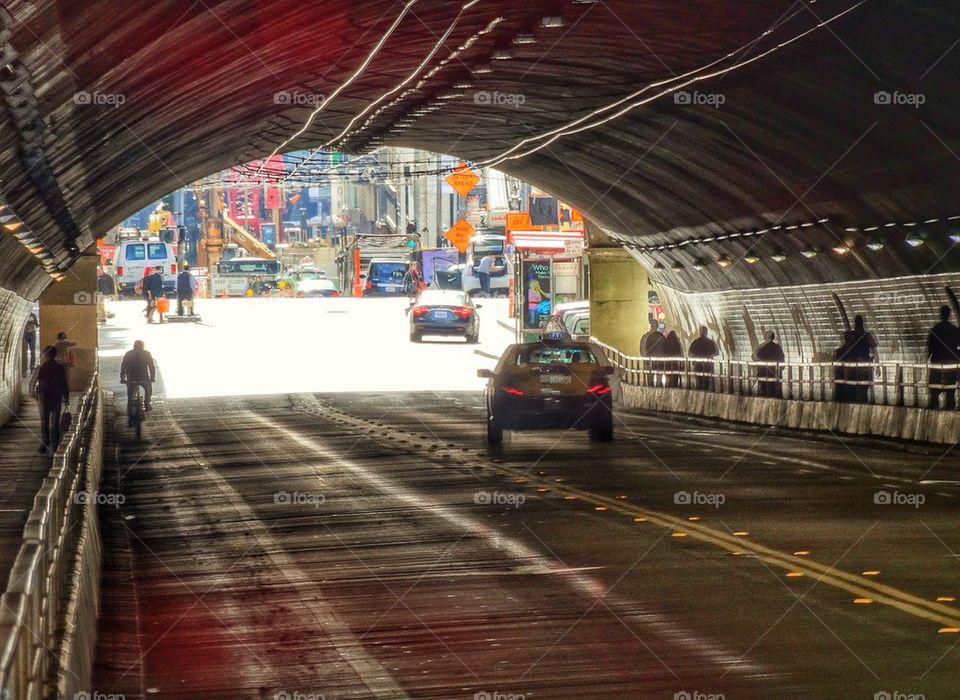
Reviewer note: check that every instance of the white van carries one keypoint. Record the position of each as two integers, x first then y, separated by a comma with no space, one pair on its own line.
132,257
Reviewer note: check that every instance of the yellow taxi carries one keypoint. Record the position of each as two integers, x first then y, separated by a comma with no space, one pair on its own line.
553,383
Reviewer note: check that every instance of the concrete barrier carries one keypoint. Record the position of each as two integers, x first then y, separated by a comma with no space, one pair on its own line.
899,422
48,610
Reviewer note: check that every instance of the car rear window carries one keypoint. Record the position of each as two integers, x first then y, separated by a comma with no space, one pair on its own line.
157,251
388,271
135,252
556,356
438,298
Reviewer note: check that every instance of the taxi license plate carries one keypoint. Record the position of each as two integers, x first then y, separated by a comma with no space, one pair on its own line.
555,379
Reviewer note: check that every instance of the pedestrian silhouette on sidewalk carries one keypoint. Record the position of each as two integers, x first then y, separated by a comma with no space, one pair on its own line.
943,348
769,377
672,348
860,347
703,347
651,345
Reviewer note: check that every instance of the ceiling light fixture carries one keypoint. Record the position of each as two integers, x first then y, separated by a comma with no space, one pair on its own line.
915,240
875,244
522,39
551,22
700,263
778,256
724,261
752,258
502,55
809,253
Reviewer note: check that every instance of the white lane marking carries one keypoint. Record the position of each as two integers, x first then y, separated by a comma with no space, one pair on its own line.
588,586
371,673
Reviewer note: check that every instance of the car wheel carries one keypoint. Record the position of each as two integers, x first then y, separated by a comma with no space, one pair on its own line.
494,431
602,431
415,337
473,339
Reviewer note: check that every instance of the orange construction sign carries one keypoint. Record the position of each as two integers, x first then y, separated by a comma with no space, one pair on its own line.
460,234
463,179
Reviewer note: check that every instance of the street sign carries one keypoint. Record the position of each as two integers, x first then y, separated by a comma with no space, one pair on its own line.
459,235
573,248
463,179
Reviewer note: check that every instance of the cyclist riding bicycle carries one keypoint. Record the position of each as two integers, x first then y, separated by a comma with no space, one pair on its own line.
137,369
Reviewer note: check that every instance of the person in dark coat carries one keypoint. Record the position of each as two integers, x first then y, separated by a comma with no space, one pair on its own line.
859,347
30,338
152,291
704,347
136,368
672,348
186,289
943,348
651,345
52,392
769,377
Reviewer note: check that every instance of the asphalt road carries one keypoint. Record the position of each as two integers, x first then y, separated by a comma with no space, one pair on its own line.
331,544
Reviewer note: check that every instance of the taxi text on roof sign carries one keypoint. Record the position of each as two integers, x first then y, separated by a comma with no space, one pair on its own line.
459,235
462,180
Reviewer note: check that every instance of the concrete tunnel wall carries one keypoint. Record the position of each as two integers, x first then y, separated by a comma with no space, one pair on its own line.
807,320
14,310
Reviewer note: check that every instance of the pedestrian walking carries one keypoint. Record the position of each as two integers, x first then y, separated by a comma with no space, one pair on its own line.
30,338
152,292
704,348
672,348
943,348
859,348
651,345
64,348
768,378
53,392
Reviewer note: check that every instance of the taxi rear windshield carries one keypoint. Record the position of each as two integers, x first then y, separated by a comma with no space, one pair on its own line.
556,356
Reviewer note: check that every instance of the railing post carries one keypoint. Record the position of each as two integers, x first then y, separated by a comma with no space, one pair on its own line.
899,385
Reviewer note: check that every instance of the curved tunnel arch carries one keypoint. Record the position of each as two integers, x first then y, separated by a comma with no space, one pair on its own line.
799,136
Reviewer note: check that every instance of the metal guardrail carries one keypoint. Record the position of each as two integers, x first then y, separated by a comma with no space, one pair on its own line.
881,383
38,593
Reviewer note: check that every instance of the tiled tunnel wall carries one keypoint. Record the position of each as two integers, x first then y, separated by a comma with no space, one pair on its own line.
14,310
807,319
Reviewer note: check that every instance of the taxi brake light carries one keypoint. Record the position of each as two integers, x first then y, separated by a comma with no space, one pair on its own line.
599,389
511,390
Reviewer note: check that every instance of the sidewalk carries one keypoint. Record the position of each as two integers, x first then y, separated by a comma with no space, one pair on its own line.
23,470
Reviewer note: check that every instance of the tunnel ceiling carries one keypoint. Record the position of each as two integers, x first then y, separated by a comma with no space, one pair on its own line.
696,123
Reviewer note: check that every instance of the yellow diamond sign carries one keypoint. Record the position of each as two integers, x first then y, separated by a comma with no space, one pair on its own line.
459,235
463,179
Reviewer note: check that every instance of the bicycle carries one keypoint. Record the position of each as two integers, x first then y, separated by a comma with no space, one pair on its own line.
136,410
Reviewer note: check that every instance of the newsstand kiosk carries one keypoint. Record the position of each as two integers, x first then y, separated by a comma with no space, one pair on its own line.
548,270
